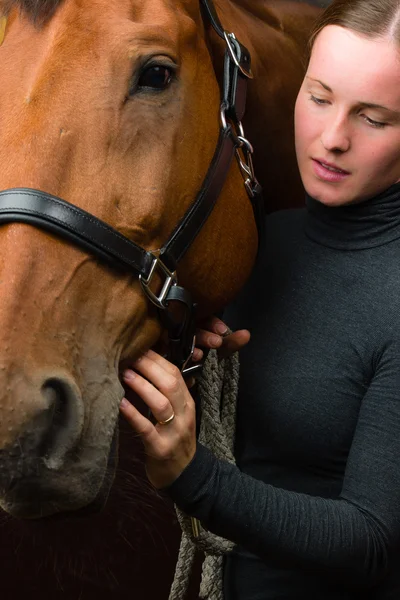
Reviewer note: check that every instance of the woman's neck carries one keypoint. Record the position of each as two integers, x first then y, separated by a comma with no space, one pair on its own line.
355,226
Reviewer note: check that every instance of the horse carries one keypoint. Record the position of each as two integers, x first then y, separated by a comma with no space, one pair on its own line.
115,107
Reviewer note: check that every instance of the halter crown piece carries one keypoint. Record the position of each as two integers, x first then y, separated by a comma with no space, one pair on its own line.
98,238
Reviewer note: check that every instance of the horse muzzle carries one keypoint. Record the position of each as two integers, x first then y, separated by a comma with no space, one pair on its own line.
40,442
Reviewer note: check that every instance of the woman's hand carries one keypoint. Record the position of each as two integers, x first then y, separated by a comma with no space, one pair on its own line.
212,333
170,446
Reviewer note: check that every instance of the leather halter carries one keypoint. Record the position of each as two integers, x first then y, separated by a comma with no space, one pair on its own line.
100,239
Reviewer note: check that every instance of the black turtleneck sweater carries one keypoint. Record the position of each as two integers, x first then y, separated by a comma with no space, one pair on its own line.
314,501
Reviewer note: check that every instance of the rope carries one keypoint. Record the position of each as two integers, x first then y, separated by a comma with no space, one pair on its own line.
218,388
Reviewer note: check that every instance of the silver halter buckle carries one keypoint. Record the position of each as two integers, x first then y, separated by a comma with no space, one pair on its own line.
230,39
170,279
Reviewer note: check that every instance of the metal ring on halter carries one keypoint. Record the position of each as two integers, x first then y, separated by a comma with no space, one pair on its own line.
239,140
171,418
244,142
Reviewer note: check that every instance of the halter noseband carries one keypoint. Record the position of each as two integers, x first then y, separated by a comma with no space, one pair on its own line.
97,237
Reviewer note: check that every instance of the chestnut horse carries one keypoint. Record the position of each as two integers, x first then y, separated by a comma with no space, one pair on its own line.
114,106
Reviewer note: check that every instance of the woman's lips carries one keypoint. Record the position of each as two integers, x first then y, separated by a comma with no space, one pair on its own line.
328,172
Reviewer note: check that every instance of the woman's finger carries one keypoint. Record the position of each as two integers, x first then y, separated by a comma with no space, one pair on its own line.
208,339
139,423
214,325
166,378
169,448
226,345
160,360
197,355
170,444
154,437
234,342
159,405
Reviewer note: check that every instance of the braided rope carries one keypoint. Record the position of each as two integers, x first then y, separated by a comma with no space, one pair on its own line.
218,388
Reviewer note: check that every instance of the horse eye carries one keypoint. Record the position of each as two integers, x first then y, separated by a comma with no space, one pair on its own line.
156,78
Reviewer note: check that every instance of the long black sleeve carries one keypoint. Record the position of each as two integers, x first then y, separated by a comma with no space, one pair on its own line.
317,484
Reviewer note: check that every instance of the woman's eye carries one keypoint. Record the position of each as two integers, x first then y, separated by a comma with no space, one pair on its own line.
317,100
157,77
377,124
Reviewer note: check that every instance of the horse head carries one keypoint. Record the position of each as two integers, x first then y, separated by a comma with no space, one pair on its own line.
113,107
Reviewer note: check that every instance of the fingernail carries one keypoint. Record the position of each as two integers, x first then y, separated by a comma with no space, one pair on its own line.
221,328
124,403
128,375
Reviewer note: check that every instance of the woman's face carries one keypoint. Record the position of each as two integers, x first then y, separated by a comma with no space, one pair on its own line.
347,117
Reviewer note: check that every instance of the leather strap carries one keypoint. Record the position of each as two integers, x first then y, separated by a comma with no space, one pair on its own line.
243,57
70,222
191,224
235,85
213,17
64,219
179,321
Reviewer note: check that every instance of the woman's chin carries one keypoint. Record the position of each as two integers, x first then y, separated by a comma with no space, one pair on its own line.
329,194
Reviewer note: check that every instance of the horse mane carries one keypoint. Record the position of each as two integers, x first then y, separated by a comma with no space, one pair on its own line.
38,11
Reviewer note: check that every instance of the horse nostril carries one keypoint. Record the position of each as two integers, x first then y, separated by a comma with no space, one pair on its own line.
57,397
64,421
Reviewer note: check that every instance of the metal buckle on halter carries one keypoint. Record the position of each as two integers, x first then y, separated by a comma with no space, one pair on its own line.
244,155
231,40
243,149
170,279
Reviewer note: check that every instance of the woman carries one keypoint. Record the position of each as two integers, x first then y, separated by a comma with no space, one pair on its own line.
314,503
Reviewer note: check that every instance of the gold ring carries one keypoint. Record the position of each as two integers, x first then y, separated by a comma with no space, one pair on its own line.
171,418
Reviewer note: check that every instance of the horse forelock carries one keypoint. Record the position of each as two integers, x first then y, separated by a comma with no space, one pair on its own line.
38,11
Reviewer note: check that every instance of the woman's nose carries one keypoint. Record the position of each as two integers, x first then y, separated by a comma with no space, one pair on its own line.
336,136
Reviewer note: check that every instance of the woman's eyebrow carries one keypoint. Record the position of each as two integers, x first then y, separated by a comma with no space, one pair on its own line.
360,102
378,106
324,85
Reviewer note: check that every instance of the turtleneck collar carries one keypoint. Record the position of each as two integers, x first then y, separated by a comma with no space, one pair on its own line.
374,222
